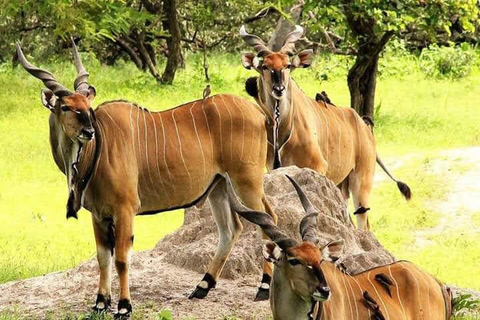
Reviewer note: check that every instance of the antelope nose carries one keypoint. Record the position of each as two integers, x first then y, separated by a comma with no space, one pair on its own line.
278,89
322,293
88,133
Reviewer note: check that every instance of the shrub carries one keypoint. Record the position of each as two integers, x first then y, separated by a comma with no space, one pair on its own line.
448,62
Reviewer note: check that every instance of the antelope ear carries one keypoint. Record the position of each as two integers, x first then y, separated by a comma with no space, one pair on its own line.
271,251
48,99
333,250
303,59
92,93
249,61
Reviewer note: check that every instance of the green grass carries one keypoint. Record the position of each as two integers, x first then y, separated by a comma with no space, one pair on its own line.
415,115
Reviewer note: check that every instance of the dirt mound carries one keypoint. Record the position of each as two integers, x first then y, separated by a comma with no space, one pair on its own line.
193,245
164,275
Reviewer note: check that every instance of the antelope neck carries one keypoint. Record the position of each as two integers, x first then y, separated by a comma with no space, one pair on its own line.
77,160
280,114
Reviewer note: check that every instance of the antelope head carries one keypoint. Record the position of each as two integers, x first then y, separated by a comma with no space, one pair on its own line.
72,125
298,264
275,67
71,109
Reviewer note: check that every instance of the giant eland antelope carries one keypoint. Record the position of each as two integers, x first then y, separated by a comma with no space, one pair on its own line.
333,141
307,285
121,160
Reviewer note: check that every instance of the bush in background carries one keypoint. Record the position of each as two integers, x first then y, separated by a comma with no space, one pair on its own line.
448,62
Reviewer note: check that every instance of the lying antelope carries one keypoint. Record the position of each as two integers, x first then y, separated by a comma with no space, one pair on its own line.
303,132
122,160
307,285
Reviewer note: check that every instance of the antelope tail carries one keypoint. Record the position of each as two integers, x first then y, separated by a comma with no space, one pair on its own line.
403,187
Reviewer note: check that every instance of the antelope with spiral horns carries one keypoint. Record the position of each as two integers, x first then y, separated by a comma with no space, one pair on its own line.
307,285
121,160
333,141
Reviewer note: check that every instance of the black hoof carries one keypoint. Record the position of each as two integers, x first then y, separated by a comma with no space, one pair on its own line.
102,304
262,294
199,293
124,310
122,316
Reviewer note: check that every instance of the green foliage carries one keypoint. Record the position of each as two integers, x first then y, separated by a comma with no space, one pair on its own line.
448,62
39,24
165,315
464,302
372,18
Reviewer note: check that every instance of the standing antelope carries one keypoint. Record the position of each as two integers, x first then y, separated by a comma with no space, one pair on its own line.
307,285
122,160
303,132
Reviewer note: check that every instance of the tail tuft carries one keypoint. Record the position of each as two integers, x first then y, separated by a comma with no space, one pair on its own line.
251,86
404,189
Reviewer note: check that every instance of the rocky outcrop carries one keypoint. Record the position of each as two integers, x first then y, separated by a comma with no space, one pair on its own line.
193,245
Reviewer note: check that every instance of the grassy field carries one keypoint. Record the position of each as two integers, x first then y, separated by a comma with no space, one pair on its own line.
415,114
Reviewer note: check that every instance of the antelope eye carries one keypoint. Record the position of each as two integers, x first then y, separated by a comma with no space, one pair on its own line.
293,262
65,108
264,67
289,66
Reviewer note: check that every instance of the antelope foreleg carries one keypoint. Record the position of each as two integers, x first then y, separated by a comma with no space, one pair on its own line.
102,230
123,244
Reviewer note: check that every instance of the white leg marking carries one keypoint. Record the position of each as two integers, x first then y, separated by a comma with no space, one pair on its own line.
198,139
180,147
398,291
203,284
104,259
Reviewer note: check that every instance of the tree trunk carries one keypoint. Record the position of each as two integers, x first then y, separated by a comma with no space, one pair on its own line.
362,77
173,42
362,84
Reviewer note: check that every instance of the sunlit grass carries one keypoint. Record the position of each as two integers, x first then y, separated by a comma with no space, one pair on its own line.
416,115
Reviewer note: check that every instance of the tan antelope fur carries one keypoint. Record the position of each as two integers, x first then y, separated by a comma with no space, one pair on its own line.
122,160
333,141
307,285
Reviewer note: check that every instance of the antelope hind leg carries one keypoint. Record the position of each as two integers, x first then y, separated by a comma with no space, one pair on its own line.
229,228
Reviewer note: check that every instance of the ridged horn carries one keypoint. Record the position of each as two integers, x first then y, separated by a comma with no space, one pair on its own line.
308,225
290,40
47,77
254,41
81,82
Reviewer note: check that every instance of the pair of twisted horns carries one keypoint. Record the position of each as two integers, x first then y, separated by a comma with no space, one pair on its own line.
260,47
308,225
81,81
